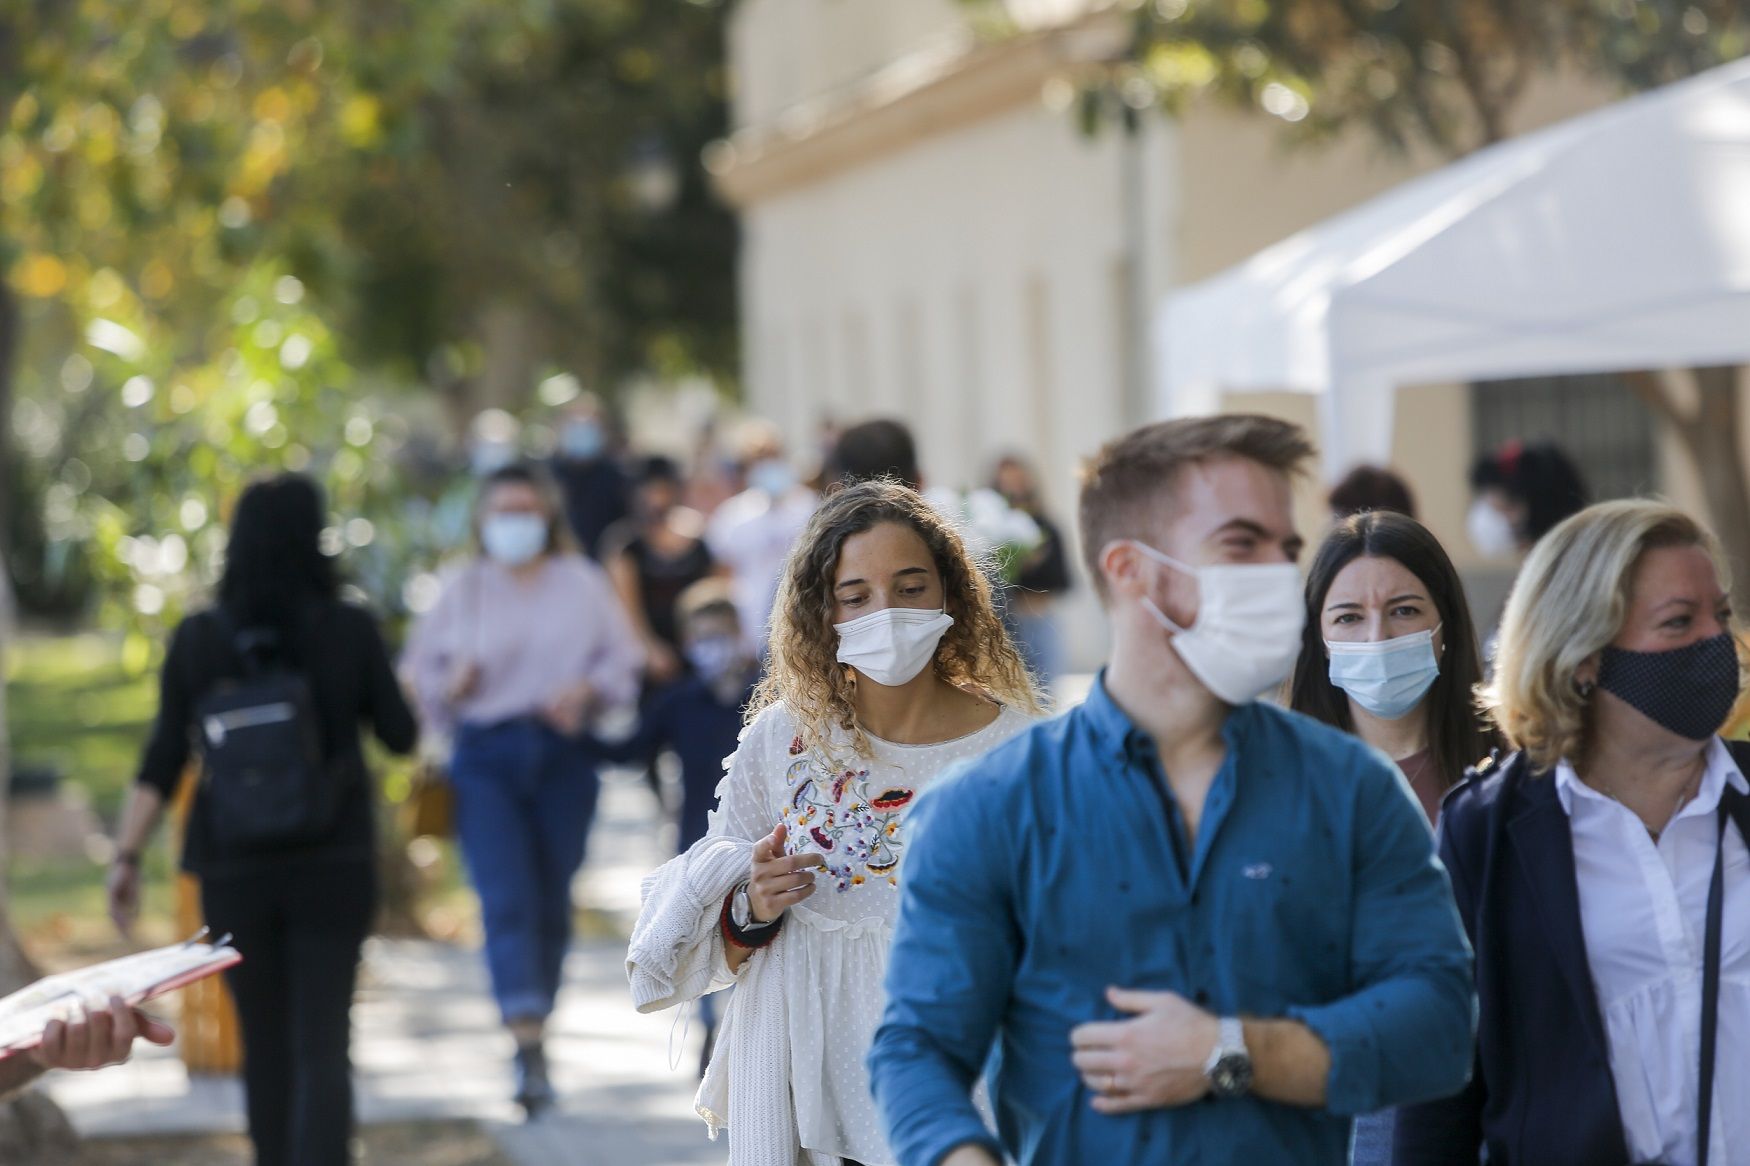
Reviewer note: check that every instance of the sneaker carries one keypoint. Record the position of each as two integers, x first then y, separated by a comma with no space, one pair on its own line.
534,1092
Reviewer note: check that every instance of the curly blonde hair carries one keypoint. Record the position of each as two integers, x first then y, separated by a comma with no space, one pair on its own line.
1569,603
804,674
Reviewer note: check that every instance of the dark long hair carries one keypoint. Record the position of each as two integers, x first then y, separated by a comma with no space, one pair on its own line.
1539,477
1458,735
274,565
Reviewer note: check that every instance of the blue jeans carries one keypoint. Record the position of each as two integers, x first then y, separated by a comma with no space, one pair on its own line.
525,797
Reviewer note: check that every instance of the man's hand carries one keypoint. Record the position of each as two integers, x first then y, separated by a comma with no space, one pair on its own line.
970,1155
102,1038
1153,1061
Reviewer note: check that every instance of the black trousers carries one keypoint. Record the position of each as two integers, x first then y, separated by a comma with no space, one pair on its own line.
299,927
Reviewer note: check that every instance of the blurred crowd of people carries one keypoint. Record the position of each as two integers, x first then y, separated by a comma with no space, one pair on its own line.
1321,870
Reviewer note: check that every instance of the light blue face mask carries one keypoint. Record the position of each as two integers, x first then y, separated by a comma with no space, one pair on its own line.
773,475
582,440
514,538
1388,678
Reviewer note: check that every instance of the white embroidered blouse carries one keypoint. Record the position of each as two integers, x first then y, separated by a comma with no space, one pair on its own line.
833,949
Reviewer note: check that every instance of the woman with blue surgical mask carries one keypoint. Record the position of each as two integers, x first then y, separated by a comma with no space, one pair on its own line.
1389,653
524,648
888,666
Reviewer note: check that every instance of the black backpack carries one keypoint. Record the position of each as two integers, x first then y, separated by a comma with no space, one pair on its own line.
266,784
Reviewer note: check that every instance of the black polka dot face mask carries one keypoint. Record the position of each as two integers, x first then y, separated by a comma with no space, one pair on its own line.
1689,690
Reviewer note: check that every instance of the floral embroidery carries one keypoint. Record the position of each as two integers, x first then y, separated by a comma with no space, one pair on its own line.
852,823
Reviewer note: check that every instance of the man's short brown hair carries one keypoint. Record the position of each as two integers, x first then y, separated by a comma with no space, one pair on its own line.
1123,484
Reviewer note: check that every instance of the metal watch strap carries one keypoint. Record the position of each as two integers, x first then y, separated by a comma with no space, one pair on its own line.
1229,1067
741,911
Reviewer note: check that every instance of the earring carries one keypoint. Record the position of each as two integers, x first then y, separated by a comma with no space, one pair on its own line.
1584,688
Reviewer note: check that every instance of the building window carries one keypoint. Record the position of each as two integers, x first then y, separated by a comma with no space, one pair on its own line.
1596,419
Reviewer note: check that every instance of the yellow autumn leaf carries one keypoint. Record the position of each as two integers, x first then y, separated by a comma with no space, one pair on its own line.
1180,66
273,105
361,121
21,179
39,275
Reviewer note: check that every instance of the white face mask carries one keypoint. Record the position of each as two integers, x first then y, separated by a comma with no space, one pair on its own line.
1490,531
893,645
1388,678
1249,619
514,538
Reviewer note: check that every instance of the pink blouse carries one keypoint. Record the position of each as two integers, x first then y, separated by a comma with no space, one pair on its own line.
531,638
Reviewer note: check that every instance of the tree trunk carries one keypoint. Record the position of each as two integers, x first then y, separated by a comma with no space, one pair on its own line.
1711,433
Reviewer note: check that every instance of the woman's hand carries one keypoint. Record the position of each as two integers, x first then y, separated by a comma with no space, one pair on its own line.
463,681
124,895
779,881
661,663
102,1038
567,713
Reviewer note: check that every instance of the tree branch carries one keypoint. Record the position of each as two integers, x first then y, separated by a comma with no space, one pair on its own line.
1654,391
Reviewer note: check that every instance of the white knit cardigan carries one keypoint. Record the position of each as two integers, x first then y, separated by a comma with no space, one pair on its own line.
677,955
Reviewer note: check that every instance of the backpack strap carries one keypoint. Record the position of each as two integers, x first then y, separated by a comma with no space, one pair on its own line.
249,645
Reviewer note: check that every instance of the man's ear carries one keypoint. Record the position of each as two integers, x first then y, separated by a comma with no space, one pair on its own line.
1122,564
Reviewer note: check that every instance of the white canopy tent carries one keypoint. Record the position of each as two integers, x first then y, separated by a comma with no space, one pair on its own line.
1617,240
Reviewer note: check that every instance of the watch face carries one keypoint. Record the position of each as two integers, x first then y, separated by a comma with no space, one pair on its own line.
1232,1075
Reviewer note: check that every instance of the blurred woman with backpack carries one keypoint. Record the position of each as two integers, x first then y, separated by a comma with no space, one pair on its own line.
526,646
272,683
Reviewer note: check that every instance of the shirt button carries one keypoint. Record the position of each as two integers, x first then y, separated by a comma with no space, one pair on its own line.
1201,996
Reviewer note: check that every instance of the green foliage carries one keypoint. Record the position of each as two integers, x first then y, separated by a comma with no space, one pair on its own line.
251,236
1442,74
76,707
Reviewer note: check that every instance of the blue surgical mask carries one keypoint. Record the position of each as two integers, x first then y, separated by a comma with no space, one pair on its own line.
514,538
582,440
714,657
1388,678
773,475
487,457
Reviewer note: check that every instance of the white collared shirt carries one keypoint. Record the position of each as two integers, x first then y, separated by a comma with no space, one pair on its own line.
1643,911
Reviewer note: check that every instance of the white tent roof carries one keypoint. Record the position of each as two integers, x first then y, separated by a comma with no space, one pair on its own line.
1617,240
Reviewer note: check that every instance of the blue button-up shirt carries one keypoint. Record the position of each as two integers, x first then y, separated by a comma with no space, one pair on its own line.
1058,865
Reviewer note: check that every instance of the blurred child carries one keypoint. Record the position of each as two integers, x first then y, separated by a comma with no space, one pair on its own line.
699,717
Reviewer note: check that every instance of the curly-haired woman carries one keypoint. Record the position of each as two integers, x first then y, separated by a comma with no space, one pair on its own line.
888,665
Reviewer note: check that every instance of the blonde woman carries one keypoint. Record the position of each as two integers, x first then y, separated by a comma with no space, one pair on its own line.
888,665
1591,865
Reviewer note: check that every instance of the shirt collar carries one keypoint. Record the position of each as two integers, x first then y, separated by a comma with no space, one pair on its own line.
1118,736
1721,771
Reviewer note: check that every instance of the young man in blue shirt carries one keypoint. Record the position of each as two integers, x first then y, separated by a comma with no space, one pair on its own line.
1193,927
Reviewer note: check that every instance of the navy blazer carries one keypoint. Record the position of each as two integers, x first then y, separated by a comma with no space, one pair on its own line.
1541,1093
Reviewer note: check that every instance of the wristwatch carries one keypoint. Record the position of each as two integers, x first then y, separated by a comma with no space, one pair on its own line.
741,911
1229,1067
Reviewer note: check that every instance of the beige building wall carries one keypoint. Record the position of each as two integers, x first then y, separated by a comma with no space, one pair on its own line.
961,257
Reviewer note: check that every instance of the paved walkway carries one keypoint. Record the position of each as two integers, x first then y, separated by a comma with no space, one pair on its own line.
428,1043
